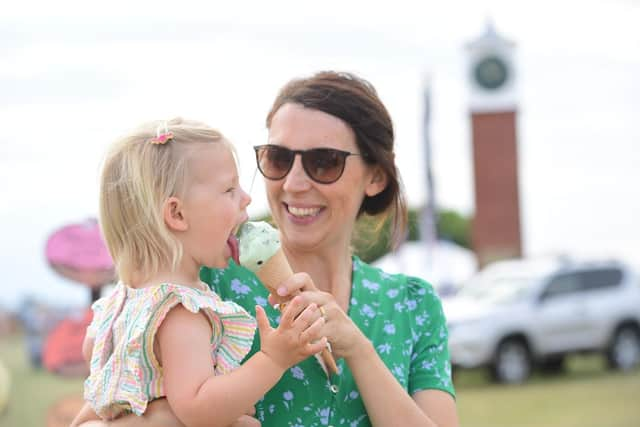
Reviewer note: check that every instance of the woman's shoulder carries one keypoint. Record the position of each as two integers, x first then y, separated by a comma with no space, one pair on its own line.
414,285
414,289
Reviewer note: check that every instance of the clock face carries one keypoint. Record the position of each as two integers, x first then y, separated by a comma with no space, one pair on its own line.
490,73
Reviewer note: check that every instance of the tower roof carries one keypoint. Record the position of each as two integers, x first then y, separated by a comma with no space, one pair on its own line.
490,38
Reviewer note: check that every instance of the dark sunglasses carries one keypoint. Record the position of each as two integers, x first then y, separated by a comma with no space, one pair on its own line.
322,165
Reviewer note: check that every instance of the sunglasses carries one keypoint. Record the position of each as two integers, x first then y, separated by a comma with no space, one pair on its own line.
322,165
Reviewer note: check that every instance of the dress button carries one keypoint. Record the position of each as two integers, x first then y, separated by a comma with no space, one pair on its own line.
334,389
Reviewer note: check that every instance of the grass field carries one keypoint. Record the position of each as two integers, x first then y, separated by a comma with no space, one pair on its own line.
586,395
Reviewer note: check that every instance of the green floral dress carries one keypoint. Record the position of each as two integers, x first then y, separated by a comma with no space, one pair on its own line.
401,315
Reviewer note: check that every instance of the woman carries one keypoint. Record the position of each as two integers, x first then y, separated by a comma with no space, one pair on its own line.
328,161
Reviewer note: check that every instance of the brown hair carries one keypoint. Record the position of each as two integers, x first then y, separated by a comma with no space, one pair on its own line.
355,101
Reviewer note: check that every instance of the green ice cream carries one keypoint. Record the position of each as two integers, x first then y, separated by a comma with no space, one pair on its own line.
258,242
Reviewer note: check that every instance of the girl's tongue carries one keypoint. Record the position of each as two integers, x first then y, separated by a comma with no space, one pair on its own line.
232,241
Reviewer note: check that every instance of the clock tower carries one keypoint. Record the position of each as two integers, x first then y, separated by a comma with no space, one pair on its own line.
493,109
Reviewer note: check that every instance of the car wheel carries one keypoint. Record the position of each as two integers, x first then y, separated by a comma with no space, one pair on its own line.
624,351
512,364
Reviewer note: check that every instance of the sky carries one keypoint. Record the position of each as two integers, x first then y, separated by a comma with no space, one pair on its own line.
74,76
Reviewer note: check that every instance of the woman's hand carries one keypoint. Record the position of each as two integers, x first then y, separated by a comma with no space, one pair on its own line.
343,335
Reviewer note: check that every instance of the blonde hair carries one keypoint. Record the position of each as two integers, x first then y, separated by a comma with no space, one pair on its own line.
138,176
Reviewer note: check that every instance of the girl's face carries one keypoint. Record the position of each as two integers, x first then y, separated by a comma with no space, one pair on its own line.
214,204
311,215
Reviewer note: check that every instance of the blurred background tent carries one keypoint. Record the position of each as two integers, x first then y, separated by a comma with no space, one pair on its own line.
62,352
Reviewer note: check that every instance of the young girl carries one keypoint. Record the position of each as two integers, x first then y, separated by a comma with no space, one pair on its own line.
170,203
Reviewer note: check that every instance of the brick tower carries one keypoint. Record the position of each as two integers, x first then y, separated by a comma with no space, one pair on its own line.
493,110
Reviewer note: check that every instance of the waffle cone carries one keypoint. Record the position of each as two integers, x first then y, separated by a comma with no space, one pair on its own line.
272,273
275,271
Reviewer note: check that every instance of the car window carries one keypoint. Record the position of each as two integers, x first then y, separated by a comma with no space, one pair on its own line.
563,284
497,288
601,278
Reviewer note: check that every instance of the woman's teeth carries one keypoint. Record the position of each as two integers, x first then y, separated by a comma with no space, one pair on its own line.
301,212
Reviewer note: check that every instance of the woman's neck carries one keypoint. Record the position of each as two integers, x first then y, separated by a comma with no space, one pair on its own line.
330,270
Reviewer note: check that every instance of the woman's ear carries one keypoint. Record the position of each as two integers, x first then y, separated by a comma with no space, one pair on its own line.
377,182
173,214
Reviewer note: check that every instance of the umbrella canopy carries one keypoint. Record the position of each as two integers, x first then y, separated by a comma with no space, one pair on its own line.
62,352
78,252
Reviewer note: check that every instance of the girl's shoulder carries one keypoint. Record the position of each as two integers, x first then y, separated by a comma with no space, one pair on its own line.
167,295
147,307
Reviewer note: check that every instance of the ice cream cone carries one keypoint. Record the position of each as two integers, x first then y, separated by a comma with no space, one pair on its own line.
274,271
261,253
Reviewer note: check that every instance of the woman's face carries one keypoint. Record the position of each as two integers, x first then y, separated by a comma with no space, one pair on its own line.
310,215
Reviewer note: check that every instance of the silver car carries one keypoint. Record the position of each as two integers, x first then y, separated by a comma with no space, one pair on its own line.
516,315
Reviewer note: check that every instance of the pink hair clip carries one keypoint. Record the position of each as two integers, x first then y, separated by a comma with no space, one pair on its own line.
162,135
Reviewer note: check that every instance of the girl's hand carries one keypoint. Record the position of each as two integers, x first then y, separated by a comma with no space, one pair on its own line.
345,337
297,337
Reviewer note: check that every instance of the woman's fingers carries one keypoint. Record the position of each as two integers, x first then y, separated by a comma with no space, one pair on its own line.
298,282
306,318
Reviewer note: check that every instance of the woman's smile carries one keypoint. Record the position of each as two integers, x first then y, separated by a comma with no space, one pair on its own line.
302,214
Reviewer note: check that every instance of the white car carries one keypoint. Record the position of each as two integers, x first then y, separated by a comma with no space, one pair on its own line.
515,315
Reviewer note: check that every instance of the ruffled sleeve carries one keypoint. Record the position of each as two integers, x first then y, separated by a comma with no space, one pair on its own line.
233,328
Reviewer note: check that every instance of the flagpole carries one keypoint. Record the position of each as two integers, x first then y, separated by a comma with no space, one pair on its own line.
428,220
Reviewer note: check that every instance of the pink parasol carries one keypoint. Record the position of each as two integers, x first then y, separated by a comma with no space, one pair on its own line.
78,252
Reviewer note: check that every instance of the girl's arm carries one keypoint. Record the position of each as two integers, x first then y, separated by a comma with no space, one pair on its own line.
200,399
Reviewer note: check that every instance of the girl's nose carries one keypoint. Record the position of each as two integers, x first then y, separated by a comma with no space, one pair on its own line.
246,199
